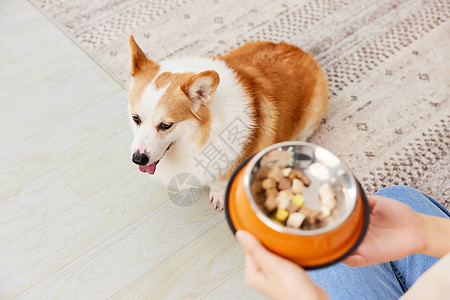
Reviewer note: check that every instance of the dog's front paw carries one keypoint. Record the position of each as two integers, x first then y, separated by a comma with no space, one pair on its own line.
216,197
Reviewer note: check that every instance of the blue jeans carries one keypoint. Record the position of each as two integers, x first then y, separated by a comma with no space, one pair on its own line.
388,280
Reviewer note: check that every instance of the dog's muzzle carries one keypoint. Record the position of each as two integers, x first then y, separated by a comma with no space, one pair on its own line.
140,158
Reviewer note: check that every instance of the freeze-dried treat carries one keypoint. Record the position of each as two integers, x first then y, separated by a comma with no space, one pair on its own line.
327,196
297,186
281,215
285,194
283,203
325,212
295,220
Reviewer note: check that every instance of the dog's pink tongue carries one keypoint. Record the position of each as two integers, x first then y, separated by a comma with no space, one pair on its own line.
150,169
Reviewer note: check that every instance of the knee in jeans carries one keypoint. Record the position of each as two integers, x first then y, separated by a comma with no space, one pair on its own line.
397,189
400,193
414,199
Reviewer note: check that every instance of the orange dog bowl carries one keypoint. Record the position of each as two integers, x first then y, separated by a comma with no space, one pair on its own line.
322,246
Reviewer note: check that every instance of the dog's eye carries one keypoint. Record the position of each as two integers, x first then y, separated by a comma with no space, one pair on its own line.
165,126
136,119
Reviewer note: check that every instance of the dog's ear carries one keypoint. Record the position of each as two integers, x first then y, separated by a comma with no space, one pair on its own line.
201,88
140,62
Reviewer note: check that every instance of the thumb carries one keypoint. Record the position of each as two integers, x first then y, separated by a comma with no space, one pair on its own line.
263,257
355,260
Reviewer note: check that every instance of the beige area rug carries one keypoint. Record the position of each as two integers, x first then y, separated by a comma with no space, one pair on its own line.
387,62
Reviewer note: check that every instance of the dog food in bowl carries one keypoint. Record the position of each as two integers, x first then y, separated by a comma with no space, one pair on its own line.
279,189
311,178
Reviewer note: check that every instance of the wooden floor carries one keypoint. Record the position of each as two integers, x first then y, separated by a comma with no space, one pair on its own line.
77,218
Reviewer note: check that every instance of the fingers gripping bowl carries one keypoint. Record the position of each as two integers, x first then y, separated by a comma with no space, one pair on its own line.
311,244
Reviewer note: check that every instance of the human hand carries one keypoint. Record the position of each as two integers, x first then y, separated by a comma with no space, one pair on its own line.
273,275
395,231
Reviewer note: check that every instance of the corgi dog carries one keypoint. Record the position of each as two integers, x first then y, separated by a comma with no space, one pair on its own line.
205,115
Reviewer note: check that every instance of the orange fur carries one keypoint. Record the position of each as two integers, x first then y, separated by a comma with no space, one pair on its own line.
287,86
142,69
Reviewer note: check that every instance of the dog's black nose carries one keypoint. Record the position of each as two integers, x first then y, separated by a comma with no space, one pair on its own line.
140,158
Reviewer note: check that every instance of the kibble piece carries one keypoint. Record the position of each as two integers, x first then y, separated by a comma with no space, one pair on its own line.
292,207
305,210
268,183
256,187
272,192
284,184
292,175
263,172
300,175
281,215
297,186
271,203
313,217
259,197
295,220
298,200
276,174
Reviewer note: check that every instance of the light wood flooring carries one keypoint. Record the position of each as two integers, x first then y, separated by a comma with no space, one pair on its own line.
77,218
